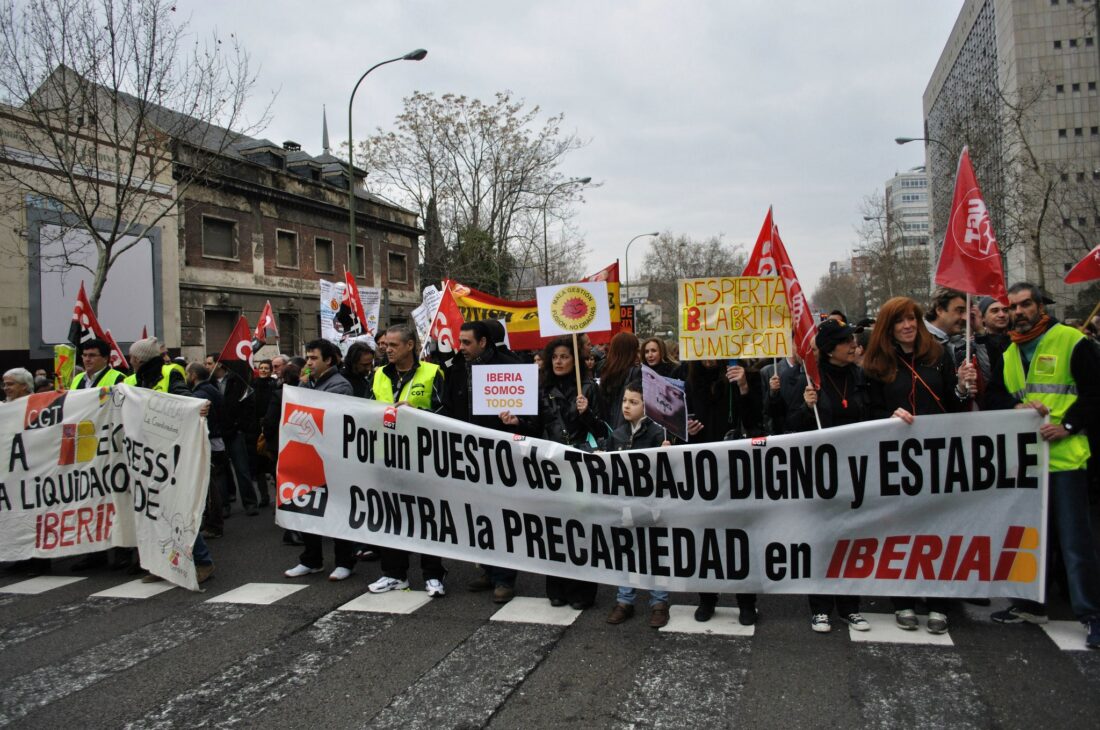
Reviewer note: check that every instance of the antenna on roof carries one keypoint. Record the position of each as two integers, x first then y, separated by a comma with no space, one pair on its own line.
324,132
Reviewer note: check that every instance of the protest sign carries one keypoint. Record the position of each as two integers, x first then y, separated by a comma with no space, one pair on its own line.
497,388
424,315
332,293
98,468
626,317
665,402
733,318
569,309
948,506
64,359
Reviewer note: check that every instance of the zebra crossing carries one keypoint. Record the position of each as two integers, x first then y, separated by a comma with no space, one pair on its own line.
401,659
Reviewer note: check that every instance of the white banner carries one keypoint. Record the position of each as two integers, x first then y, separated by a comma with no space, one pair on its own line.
331,293
950,506
496,388
88,470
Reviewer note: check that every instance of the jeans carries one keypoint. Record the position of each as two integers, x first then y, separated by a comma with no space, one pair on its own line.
626,595
1069,522
395,564
313,557
236,446
200,552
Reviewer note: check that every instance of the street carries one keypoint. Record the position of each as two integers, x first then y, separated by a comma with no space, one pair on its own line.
310,653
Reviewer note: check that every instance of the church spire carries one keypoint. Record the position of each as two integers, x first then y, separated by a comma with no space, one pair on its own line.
324,132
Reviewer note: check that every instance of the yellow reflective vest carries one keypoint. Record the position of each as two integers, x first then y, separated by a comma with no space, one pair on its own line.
108,379
417,392
1050,382
165,375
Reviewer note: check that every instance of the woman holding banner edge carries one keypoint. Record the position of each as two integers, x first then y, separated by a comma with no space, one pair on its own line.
910,374
569,418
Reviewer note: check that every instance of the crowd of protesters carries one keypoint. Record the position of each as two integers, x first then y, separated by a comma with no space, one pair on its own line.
905,363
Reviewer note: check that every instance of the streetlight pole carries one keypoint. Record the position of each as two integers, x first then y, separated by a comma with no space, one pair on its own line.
417,55
545,244
907,140
626,258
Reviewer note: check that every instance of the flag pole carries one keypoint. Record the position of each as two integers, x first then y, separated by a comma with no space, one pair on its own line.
1095,311
968,327
817,417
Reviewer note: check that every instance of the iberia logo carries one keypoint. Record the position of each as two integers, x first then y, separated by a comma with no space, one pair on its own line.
939,558
573,308
300,474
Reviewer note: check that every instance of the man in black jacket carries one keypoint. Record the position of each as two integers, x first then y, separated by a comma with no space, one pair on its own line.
213,520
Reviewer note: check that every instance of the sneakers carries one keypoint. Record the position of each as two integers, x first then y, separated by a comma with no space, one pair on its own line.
339,574
856,622
435,588
385,584
204,573
906,619
747,616
704,612
658,615
1016,615
503,594
1093,639
937,623
620,612
820,623
299,570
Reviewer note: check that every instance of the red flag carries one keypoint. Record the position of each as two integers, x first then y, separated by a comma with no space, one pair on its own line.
264,325
769,258
608,273
144,332
970,260
117,359
84,326
239,346
1086,269
447,322
354,305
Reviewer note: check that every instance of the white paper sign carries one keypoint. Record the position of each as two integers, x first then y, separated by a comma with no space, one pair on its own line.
497,388
331,292
573,308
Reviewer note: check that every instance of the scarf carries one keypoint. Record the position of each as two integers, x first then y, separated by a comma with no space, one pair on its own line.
1034,333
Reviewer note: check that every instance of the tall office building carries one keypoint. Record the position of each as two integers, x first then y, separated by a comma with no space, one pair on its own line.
1017,83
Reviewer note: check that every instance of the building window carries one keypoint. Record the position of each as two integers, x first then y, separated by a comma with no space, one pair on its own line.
1094,131
322,255
398,267
1075,87
1082,221
286,249
1088,41
1061,134
1064,177
288,333
1078,132
357,261
1072,42
1096,174
217,327
1057,45
219,238
1092,86
1060,89
1080,177
1065,221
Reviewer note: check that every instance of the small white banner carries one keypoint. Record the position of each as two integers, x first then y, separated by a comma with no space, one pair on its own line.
573,308
513,388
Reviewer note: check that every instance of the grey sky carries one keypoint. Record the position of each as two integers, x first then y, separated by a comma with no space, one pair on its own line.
699,114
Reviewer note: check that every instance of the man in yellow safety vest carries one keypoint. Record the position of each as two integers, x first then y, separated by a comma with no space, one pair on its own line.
98,373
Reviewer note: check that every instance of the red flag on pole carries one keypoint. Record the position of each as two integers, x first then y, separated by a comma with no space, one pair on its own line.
1087,269
264,325
447,322
607,273
354,305
239,346
970,260
144,332
117,359
84,326
769,258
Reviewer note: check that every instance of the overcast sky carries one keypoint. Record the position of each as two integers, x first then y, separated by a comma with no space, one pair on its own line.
699,115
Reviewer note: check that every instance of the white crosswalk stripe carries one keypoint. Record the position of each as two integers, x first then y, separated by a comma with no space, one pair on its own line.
40,584
259,594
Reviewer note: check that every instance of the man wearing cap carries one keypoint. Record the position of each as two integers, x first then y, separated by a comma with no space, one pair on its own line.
98,373
1052,368
152,371
994,322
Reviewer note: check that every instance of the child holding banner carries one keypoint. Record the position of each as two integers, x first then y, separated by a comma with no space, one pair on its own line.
637,432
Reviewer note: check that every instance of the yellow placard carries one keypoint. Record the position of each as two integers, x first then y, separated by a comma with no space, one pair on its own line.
733,318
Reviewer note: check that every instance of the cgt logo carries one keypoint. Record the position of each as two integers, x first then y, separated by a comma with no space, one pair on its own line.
389,418
44,410
301,472
303,499
931,557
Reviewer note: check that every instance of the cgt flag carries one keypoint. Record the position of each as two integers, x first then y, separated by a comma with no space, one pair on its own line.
447,322
769,258
356,323
85,326
265,326
239,346
970,260
1087,269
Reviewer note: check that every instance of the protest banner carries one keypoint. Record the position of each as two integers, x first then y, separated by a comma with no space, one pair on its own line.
513,388
733,317
64,360
521,317
332,295
948,506
424,316
569,309
99,468
665,402
626,318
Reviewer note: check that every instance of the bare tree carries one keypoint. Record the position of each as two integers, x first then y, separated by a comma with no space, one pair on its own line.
887,266
491,167
843,291
671,257
110,98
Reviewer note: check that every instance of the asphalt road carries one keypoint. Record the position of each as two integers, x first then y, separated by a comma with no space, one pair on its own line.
176,659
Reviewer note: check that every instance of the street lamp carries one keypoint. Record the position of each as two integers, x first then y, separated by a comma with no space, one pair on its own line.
627,258
907,140
417,55
545,245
